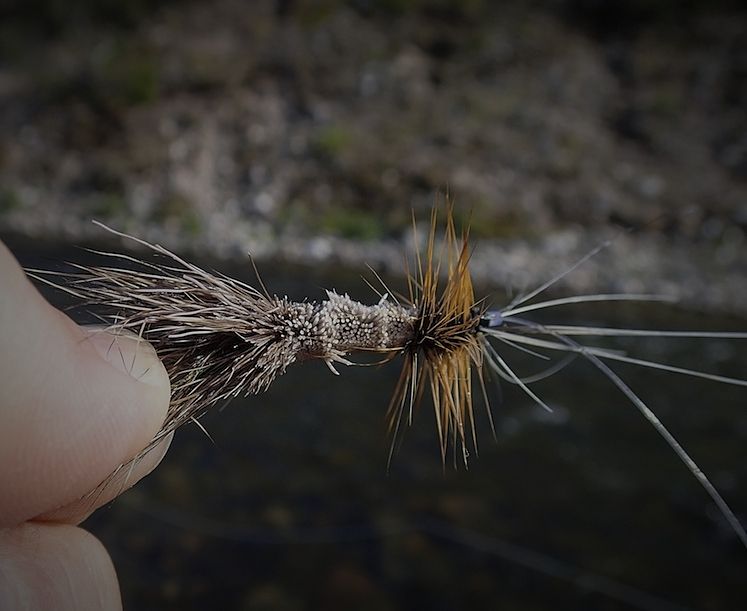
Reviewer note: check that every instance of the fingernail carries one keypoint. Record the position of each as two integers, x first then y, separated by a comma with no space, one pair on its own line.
127,352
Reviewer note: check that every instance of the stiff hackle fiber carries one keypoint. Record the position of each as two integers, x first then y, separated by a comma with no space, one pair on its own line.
444,347
220,338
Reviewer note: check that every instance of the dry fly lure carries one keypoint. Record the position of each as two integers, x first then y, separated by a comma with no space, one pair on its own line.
220,338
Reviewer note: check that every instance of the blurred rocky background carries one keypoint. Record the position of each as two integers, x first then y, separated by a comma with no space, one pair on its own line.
309,131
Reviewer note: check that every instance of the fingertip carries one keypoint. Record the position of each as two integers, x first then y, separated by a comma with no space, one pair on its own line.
102,400
55,566
76,402
121,480
131,355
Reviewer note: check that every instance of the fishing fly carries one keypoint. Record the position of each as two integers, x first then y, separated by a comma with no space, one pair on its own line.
220,338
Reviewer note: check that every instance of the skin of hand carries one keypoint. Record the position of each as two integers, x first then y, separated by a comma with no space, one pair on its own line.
75,403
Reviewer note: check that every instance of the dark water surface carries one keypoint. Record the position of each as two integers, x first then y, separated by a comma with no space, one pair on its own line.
292,507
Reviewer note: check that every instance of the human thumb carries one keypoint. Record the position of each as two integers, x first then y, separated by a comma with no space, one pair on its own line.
74,404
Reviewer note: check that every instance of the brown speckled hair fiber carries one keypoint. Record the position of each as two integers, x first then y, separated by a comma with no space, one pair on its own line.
220,338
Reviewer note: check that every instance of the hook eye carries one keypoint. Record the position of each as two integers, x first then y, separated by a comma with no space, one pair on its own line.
491,319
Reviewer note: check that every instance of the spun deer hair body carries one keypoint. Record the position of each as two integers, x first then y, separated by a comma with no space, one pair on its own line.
220,338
